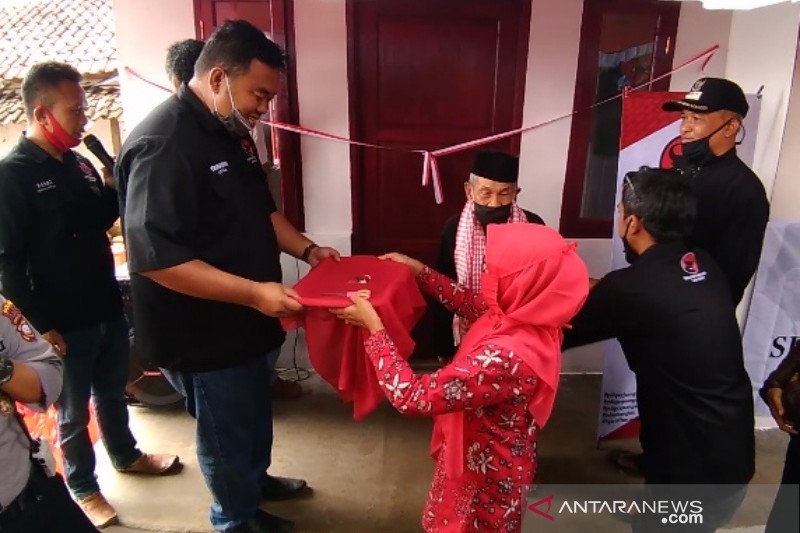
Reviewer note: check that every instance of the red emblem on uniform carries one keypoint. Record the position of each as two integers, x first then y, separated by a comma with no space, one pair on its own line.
87,170
689,263
247,146
24,329
250,149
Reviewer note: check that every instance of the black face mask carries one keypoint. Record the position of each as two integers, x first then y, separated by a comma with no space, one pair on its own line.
492,215
630,254
235,122
698,152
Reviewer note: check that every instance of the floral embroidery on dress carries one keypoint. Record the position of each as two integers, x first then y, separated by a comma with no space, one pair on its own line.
453,389
492,387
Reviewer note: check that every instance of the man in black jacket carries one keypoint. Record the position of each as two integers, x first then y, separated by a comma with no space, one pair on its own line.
491,191
732,206
673,315
56,264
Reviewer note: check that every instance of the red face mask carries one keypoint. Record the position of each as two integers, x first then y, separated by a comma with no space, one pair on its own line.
59,138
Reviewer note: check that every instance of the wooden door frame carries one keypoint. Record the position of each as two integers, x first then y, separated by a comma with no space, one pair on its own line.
356,130
282,17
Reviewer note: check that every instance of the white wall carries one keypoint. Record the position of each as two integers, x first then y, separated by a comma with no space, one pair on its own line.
145,29
786,190
549,93
698,30
321,48
762,51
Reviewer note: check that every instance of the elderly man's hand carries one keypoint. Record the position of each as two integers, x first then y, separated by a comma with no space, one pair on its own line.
273,299
775,402
320,253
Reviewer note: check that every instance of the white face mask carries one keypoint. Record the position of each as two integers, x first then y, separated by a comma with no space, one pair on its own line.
235,123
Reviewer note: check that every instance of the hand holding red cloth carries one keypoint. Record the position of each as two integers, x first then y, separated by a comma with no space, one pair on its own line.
336,349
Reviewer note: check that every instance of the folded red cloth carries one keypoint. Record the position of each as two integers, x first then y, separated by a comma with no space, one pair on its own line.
336,349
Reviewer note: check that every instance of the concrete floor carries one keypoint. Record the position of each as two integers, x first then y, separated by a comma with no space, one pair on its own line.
373,476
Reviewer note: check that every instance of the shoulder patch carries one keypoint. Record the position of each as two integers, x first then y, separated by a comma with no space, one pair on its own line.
13,314
690,265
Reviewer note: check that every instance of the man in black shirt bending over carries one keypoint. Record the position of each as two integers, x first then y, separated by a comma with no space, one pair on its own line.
674,317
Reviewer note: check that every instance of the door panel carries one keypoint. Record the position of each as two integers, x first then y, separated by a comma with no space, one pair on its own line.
424,75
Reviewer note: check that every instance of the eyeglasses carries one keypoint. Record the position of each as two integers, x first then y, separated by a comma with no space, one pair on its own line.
629,184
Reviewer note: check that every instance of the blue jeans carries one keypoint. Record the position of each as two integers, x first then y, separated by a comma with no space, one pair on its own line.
233,408
182,381
96,366
272,362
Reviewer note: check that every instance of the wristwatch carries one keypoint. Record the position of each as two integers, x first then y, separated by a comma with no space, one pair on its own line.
6,370
307,252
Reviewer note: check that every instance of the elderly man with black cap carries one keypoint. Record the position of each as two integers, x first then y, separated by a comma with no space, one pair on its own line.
491,192
732,206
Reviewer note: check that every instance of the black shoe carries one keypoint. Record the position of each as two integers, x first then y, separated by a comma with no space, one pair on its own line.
263,522
628,462
281,488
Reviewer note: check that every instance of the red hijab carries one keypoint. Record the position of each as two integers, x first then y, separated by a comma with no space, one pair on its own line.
534,283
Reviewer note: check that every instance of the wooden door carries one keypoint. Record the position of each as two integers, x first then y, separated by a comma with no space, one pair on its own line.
274,17
425,74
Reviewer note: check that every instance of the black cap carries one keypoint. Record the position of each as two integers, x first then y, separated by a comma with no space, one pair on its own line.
496,166
711,94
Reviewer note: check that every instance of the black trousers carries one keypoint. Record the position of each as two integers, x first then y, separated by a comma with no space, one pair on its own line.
784,514
45,506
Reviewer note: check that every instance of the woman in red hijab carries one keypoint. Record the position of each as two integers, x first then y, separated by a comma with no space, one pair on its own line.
498,391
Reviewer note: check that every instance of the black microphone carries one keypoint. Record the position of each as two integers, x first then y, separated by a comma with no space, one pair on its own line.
96,147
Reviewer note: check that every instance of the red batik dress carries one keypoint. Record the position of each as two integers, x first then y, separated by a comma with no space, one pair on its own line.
492,387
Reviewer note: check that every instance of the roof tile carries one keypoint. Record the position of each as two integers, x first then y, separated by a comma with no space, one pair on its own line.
78,32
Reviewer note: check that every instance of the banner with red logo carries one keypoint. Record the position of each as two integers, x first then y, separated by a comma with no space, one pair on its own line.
648,136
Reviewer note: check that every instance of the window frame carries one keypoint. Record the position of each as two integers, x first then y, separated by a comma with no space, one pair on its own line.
572,224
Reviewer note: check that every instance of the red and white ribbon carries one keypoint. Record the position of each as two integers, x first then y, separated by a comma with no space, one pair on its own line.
430,165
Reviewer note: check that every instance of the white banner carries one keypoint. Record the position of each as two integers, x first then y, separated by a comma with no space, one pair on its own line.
773,322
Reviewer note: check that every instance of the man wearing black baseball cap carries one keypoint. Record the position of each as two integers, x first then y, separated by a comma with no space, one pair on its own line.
732,206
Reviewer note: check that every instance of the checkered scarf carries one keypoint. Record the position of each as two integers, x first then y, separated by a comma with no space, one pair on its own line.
469,253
